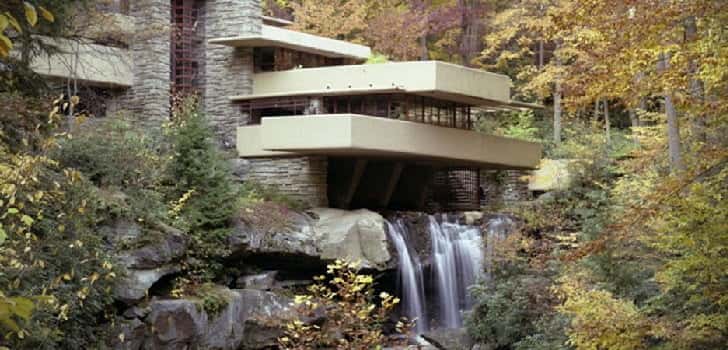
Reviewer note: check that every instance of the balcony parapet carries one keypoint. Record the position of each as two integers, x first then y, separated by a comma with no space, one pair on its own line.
366,136
440,80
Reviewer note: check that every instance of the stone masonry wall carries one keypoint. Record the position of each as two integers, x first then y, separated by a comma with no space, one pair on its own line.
300,178
148,98
228,70
504,186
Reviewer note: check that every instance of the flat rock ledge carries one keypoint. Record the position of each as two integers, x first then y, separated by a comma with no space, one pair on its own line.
322,234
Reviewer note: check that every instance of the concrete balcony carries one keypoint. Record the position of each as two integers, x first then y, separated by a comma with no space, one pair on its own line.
351,135
89,63
272,36
435,79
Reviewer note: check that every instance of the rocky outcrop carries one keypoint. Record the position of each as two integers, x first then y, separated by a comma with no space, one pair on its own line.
295,238
355,235
244,323
449,339
261,281
321,234
134,285
147,264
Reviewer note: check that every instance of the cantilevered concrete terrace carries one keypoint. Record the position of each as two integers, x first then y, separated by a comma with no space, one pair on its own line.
272,36
435,79
89,63
353,135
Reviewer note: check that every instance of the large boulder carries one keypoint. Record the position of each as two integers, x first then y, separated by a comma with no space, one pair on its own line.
295,238
170,246
244,323
321,235
449,339
261,281
135,284
354,235
147,264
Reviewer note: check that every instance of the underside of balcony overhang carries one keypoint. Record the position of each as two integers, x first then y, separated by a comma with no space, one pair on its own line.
440,80
272,36
354,135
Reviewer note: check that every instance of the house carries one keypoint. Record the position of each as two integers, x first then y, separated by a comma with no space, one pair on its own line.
305,113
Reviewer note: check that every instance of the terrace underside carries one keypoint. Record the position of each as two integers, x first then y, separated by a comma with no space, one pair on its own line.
397,184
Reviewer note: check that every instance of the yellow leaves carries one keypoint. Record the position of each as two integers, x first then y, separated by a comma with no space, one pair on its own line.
350,307
47,15
15,307
3,22
5,45
12,21
30,13
601,321
31,17
27,220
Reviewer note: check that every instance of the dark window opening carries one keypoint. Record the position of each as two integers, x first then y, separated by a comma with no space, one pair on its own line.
413,108
186,39
274,59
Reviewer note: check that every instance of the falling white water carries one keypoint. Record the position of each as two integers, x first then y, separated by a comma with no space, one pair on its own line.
443,261
410,277
457,262
457,259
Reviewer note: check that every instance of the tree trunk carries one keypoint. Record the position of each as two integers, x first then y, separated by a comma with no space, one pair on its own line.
540,55
696,87
596,111
471,41
557,113
607,130
673,128
673,135
425,53
635,121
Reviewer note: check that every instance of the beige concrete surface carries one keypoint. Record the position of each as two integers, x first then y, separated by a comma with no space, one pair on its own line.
366,136
552,175
90,63
429,78
272,36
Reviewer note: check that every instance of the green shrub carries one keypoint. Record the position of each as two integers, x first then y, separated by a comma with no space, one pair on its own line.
124,161
62,259
112,152
253,193
202,177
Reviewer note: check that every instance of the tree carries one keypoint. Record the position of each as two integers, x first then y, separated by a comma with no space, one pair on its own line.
203,188
338,19
9,14
609,43
516,32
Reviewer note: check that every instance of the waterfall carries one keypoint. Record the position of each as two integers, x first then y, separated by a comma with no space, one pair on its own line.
410,278
457,262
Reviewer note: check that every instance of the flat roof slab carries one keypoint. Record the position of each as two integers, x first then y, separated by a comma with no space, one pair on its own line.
272,36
